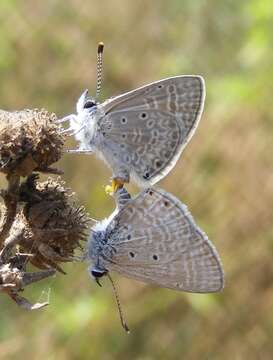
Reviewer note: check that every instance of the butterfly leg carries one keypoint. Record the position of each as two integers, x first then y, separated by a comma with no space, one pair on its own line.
120,177
67,118
79,151
116,184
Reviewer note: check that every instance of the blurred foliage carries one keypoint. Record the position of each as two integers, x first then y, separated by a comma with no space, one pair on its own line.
225,176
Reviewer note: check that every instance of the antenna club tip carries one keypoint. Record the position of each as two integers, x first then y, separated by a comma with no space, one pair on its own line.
126,329
100,47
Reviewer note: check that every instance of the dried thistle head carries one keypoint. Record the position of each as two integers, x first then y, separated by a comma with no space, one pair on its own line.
54,225
29,140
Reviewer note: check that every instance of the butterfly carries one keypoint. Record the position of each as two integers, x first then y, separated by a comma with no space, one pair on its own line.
142,133
153,238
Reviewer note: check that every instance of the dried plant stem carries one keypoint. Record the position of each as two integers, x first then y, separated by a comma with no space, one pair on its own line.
29,278
10,197
50,170
25,304
11,241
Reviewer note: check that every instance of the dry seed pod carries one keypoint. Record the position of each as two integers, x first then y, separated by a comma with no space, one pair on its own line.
29,140
13,279
54,225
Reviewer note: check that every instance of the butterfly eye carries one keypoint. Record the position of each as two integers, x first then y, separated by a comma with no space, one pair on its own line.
89,104
97,273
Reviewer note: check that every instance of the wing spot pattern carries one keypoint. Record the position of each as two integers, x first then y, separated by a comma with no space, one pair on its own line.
167,154
150,124
146,175
167,116
154,133
158,163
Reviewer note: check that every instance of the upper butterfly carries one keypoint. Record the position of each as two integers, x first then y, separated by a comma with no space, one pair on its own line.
141,133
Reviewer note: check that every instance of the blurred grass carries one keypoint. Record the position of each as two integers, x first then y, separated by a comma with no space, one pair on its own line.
47,57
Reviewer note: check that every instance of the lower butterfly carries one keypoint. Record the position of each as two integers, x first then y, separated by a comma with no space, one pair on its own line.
153,238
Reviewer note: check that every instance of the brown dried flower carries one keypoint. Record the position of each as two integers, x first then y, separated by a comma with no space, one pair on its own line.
29,140
53,224
39,222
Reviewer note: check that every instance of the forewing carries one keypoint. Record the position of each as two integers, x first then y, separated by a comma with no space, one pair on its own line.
150,126
156,240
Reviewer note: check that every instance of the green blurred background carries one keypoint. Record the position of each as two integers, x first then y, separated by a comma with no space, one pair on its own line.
225,176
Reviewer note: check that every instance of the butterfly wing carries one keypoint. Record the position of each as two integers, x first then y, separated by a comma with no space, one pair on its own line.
148,128
156,240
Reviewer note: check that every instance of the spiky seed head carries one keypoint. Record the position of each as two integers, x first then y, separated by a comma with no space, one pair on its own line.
29,140
56,225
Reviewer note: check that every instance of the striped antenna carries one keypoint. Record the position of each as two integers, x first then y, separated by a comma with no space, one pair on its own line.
99,68
123,323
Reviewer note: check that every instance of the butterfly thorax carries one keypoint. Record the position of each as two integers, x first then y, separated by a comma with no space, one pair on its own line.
96,243
98,247
86,125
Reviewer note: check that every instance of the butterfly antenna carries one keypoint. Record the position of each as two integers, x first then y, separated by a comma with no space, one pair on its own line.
99,68
123,323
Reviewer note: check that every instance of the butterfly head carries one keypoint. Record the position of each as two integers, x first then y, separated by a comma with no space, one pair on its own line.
97,272
86,103
83,124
